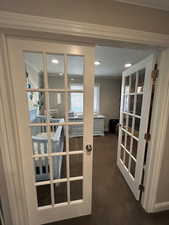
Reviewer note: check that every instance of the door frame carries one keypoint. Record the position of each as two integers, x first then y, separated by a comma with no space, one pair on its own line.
158,130
50,28
30,27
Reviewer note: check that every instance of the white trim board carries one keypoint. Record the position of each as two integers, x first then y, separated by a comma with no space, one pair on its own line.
159,207
18,21
9,138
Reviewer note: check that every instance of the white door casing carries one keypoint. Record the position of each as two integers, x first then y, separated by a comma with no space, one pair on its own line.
134,115
70,208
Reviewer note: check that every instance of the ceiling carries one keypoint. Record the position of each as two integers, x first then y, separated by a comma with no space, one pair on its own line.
157,4
112,61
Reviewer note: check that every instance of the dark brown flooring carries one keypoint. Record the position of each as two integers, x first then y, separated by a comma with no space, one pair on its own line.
113,202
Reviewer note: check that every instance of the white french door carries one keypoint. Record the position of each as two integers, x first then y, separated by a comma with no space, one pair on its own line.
56,142
134,115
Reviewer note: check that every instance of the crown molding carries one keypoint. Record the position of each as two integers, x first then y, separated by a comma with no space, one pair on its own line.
18,21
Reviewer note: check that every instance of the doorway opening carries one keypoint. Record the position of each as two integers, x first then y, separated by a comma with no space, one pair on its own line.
113,201
58,146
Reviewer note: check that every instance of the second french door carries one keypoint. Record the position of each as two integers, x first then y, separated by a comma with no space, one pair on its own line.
57,165
134,117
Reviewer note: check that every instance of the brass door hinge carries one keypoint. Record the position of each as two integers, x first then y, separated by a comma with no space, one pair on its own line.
155,72
147,136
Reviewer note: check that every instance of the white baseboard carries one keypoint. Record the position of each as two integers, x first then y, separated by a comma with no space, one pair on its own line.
159,207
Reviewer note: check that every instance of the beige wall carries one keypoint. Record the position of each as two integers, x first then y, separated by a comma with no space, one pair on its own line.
105,12
163,185
110,91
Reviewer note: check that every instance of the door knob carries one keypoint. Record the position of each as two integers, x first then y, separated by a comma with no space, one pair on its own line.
88,148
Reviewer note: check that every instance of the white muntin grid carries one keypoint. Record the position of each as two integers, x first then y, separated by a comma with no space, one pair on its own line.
126,130
48,124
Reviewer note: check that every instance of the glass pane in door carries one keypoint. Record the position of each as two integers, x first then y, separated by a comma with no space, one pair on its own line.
127,85
121,153
141,77
126,162
76,190
37,107
75,138
130,124
133,83
124,123
57,138
76,165
123,135
59,167
126,103
54,87
136,127
60,192
41,168
56,109
43,195
139,100
34,70
39,147
75,104
134,148
75,72
128,141
131,104
132,167
55,71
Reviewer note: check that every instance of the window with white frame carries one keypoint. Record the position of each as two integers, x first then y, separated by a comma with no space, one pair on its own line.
76,99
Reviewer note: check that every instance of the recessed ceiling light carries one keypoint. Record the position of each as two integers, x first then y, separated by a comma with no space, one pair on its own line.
97,63
60,74
127,65
72,79
55,61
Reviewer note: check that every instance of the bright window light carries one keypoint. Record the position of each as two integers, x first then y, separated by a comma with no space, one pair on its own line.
127,65
55,61
97,63
76,99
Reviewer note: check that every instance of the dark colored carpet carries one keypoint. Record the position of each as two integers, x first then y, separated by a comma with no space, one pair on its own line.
113,203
